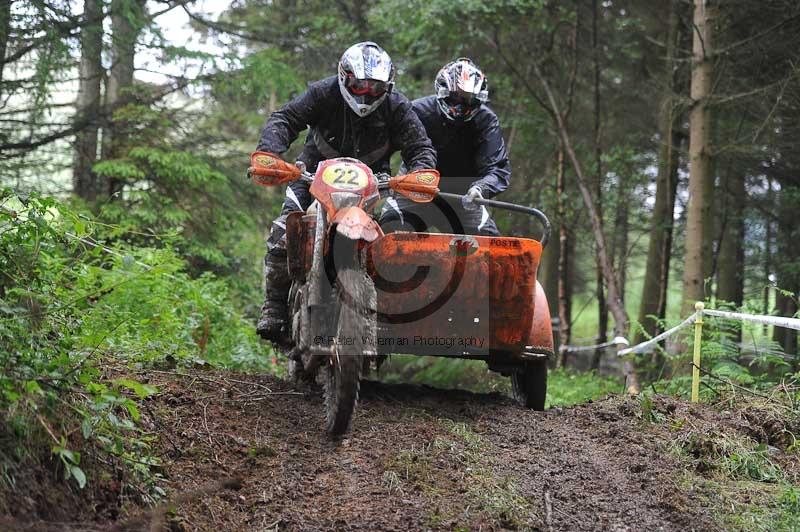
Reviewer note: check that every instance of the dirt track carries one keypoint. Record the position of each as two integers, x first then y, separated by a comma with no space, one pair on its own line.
417,458
248,453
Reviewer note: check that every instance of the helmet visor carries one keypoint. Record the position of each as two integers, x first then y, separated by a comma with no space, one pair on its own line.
366,87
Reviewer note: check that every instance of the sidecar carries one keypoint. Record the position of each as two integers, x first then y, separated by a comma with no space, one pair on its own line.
470,297
460,296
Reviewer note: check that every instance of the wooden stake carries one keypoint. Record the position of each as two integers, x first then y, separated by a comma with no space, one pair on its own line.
698,336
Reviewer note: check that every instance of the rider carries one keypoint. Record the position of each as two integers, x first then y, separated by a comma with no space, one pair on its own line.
469,145
355,114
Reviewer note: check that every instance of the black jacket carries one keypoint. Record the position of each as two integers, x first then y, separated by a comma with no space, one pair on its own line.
335,131
468,153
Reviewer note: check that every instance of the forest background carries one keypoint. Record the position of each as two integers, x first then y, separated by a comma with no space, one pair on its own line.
658,136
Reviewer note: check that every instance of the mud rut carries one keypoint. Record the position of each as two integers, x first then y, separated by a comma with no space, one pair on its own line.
248,453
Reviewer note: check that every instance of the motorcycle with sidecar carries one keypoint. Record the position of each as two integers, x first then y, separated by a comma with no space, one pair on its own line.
359,295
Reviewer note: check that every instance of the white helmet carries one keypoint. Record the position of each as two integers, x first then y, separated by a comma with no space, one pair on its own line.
366,76
461,88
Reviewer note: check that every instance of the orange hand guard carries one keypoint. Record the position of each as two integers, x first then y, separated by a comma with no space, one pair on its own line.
420,185
269,170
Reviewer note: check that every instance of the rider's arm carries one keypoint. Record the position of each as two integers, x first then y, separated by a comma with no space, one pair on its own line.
284,125
491,159
409,135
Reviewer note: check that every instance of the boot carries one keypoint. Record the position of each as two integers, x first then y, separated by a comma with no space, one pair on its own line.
273,323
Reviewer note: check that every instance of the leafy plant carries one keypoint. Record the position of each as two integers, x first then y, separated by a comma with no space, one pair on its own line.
77,318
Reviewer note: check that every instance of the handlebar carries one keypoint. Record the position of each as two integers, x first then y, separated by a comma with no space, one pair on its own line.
536,213
383,185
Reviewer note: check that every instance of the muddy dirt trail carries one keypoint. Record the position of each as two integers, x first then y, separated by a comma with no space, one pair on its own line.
249,453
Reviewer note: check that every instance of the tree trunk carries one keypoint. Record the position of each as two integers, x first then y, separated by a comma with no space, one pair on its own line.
5,30
602,306
730,265
620,238
548,267
768,250
671,191
699,157
616,307
87,105
564,285
621,321
787,306
548,270
518,110
659,252
127,18
712,226
787,269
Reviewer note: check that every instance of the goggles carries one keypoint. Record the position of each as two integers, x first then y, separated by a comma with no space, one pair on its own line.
367,87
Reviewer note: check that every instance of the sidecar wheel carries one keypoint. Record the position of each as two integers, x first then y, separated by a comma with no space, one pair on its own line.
529,385
356,338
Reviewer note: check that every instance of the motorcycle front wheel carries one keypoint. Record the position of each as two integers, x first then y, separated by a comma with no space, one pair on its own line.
356,337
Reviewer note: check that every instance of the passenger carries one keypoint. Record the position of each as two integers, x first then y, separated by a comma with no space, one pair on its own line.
471,155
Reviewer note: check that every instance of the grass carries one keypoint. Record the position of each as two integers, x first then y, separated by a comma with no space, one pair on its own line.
767,508
457,461
565,388
747,505
738,478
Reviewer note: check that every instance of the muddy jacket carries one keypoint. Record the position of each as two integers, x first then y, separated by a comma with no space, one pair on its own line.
470,153
335,131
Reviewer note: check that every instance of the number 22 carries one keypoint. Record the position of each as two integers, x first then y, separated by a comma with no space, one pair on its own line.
352,174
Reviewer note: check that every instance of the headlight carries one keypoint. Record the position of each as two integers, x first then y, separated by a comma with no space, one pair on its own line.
342,200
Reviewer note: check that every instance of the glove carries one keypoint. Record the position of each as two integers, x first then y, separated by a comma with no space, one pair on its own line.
468,199
269,169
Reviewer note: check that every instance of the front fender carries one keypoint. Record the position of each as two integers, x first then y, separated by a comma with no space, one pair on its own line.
356,224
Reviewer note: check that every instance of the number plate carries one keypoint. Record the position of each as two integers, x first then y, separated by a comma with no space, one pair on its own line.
345,176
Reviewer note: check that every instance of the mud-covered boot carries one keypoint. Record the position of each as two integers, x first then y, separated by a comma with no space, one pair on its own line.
273,322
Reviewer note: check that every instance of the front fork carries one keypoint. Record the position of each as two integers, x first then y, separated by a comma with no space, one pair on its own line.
315,295
317,323
342,252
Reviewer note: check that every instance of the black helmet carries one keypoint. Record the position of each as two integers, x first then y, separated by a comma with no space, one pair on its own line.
366,76
460,88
